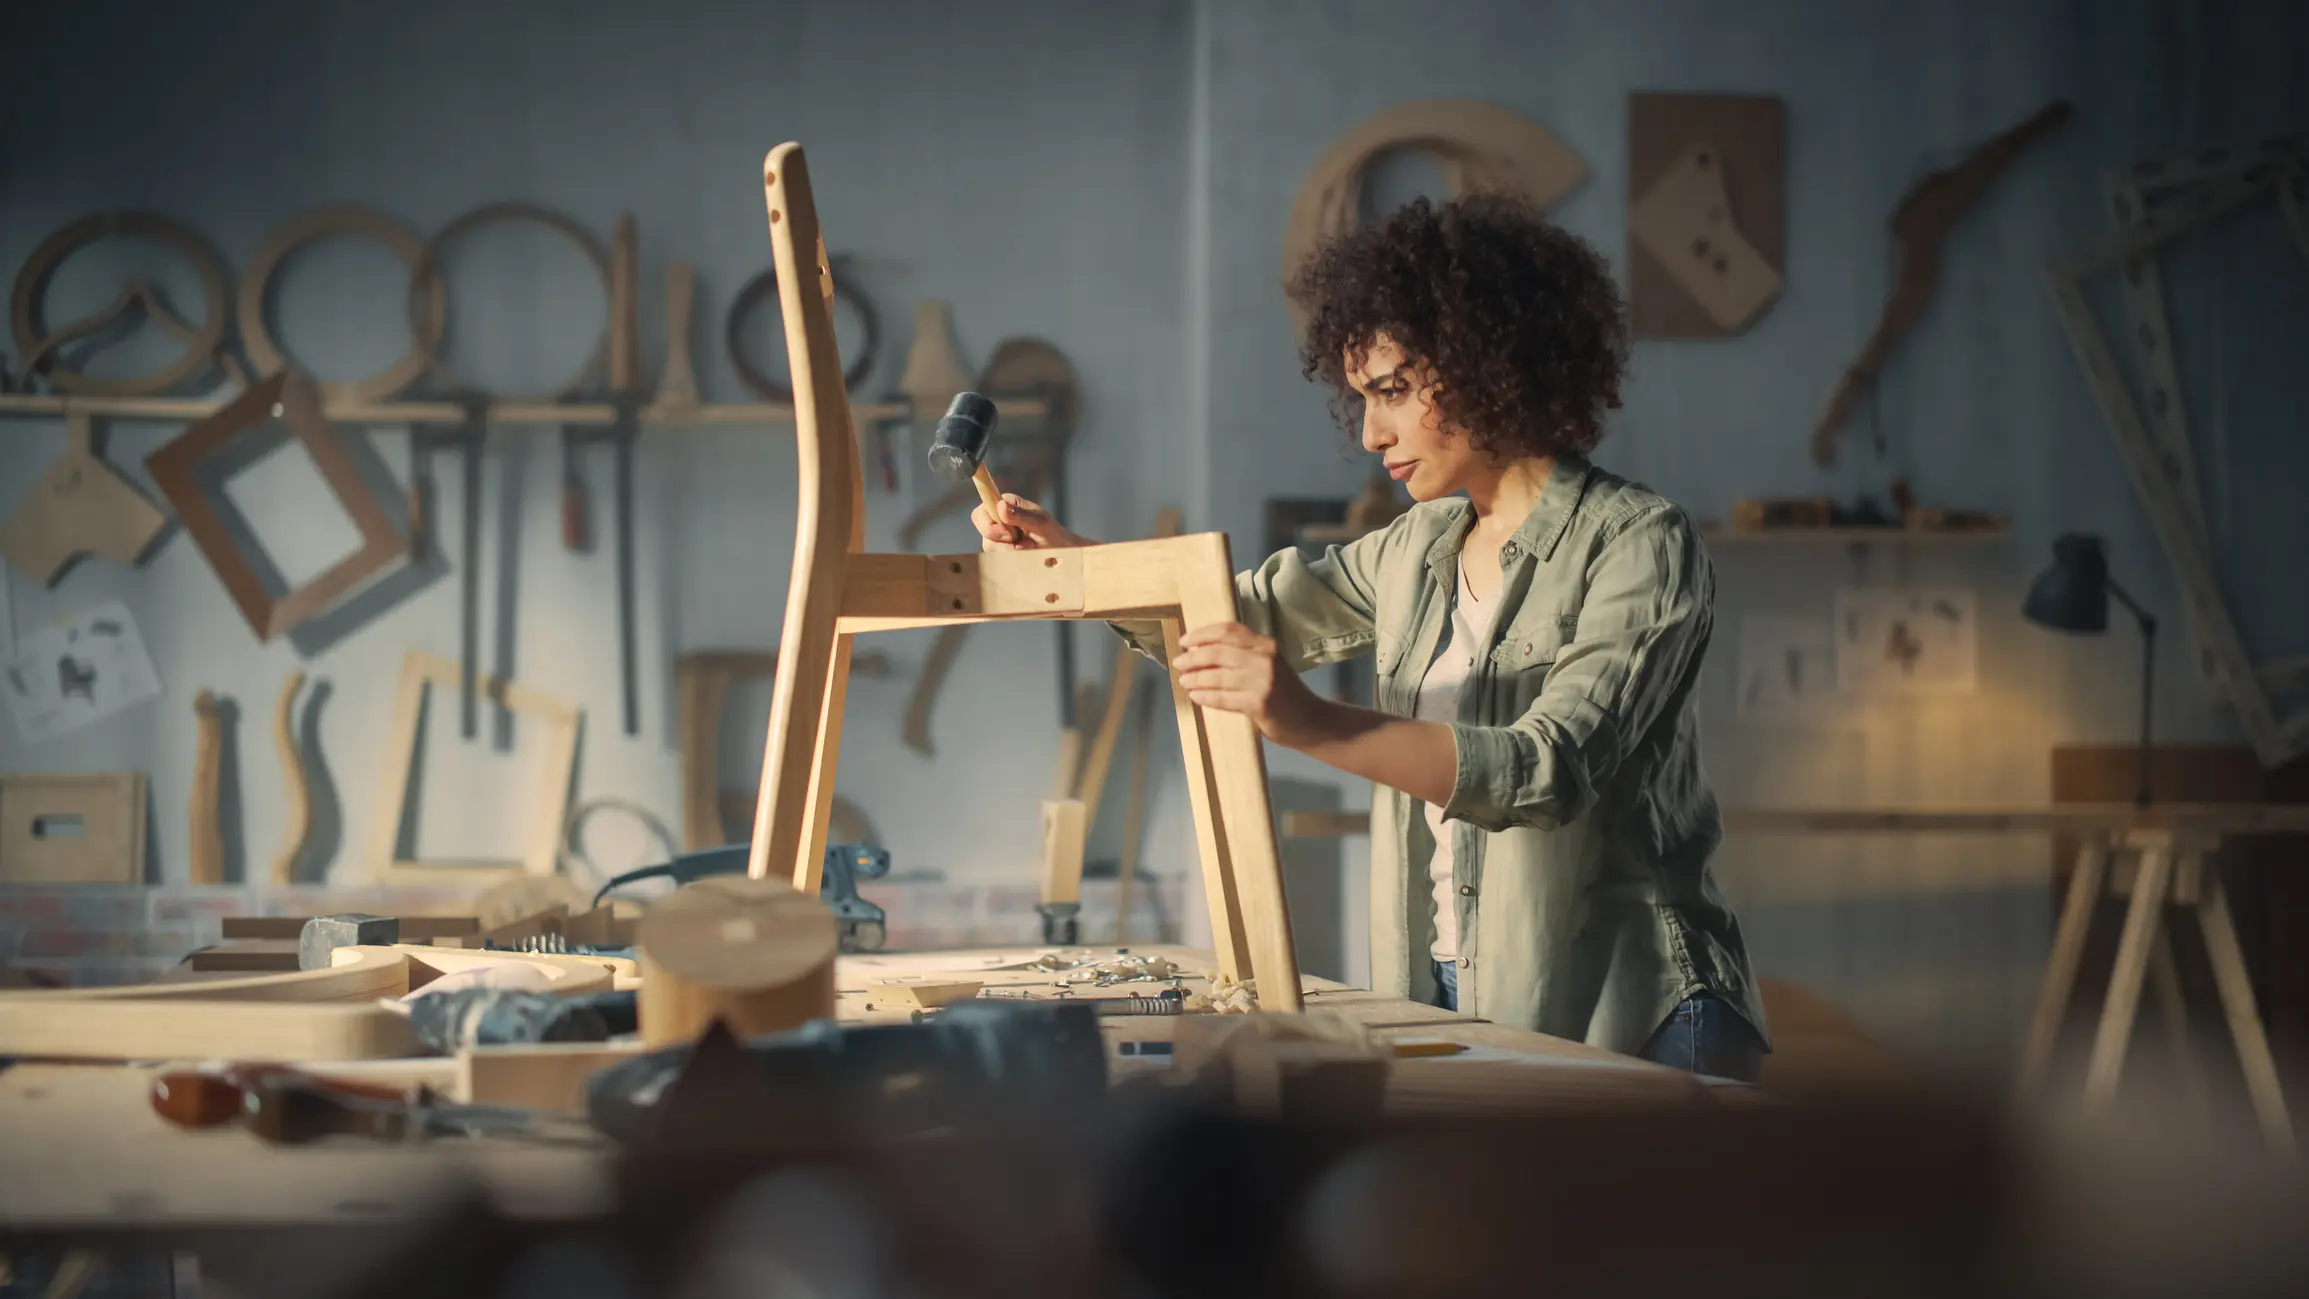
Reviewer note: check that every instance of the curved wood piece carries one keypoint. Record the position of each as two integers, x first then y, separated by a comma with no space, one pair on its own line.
204,852
424,280
935,666
428,320
1481,146
813,665
362,974
1920,226
566,975
201,349
293,781
750,952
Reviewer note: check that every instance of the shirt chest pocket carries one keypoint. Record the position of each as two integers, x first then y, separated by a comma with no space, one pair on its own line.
1520,663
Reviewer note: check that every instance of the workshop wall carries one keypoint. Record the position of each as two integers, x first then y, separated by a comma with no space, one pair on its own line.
1023,161
1936,942
1115,179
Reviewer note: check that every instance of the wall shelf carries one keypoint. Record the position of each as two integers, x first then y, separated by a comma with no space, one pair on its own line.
1718,534
454,413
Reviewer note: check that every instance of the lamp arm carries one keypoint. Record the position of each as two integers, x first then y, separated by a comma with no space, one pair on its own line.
2147,620
2148,624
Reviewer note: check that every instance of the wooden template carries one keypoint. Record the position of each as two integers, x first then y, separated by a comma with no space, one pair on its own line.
428,315
837,593
1674,239
1921,224
677,383
1479,145
293,399
2156,448
702,681
80,506
204,851
201,347
295,784
934,370
72,829
551,810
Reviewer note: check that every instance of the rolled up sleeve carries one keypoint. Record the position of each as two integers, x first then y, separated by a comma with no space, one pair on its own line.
1643,626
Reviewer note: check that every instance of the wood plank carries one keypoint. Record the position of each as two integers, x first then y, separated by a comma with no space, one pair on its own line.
72,828
43,1026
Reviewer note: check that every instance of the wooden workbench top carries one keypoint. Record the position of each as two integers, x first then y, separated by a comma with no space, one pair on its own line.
80,1145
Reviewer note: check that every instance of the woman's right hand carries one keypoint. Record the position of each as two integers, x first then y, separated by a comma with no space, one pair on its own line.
1023,526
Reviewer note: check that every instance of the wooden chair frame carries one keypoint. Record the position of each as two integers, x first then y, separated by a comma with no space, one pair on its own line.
838,592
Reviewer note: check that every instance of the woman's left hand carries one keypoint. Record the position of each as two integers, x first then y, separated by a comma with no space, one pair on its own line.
1229,667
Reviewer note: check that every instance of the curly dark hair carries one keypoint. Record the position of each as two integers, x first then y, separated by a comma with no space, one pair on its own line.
1517,317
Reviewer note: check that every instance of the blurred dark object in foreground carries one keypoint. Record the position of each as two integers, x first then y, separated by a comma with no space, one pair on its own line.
1161,1192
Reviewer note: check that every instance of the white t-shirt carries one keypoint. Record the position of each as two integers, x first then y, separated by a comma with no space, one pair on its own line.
1454,662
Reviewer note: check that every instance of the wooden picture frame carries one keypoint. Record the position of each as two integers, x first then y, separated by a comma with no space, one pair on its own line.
837,592
420,670
297,400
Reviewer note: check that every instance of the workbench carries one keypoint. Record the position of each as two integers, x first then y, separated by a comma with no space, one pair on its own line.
81,1148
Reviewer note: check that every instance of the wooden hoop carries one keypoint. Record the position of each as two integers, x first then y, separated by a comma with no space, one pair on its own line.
200,349
362,223
765,285
428,272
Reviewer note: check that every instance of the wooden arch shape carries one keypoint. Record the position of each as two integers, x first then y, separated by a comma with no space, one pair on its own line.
838,592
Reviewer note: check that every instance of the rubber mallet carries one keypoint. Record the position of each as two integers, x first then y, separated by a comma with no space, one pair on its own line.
958,450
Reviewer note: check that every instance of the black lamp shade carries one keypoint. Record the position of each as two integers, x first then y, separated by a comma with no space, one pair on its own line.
2073,594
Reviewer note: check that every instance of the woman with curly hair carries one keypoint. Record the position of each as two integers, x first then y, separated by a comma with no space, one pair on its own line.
1538,626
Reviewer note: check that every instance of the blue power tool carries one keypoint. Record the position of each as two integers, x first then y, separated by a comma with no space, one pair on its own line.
864,926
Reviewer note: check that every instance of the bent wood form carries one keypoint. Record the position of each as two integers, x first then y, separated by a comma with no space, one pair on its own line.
837,593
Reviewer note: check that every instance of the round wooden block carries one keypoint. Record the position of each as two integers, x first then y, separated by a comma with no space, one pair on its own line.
752,952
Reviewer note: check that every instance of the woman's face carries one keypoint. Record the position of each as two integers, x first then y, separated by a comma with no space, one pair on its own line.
1402,426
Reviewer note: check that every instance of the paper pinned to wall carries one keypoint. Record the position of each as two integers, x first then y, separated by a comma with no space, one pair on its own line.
78,672
1893,640
1787,668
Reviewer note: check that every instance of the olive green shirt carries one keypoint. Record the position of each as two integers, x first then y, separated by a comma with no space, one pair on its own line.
1583,821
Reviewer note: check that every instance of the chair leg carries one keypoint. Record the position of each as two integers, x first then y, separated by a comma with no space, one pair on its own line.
810,866
2150,885
2068,946
1219,893
2236,986
1206,587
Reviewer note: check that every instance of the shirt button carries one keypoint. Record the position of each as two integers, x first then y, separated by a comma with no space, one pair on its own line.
1467,890
1466,961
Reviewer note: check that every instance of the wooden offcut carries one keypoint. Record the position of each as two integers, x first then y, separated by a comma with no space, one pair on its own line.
72,828
752,953
80,506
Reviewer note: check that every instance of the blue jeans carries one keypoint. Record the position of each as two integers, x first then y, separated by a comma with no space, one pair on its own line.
1701,1035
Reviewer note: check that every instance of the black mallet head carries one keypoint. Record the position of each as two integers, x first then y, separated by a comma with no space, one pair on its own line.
959,447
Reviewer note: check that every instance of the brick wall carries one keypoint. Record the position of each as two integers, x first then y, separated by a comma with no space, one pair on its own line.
86,936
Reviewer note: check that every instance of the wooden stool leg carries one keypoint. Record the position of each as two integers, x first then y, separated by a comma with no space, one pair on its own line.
2068,946
1206,586
1227,936
2173,1015
2244,1018
2150,885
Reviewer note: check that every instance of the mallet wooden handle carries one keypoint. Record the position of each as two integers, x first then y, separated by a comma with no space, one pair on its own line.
988,493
